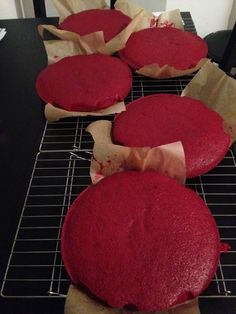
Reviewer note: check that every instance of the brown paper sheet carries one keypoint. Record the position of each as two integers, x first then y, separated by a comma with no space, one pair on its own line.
218,91
109,158
68,7
118,42
133,10
155,71
71,44
59,49
53,113
77,302
169,18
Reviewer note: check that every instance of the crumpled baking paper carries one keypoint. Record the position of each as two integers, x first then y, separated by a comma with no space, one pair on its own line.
218,91
77,302
109,158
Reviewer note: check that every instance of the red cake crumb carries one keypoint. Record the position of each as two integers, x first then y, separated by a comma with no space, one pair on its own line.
179,49
225,247
140,239
85,83
164,118
111,22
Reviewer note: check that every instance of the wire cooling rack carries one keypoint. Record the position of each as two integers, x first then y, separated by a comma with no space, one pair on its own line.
61,172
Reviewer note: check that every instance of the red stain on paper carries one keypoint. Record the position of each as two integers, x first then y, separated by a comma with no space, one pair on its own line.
153,22
101,165
166,24
99,174
97,177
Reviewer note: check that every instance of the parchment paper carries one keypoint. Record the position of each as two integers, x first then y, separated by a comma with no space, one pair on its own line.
132,10
77,302
119,41
155,71
109,158
170,18
68,7
53,113
218,91
71,43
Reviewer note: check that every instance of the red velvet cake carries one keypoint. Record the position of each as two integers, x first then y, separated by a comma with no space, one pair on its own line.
164,118
111,22
140,239
85,83
179,49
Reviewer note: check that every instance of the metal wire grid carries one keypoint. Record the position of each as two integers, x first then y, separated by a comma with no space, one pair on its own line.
35,268
61,172
217,188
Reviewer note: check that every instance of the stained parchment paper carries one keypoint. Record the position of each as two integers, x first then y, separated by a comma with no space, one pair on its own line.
109,158
77,302
67,7
218,91
167,71
53,113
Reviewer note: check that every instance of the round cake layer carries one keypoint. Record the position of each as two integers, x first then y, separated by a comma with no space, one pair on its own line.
179,49
140,239
85,83
111,22
164,118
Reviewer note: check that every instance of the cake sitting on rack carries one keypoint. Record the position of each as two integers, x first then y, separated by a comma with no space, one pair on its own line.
111,22
170,49
137,239
164,118
85,83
